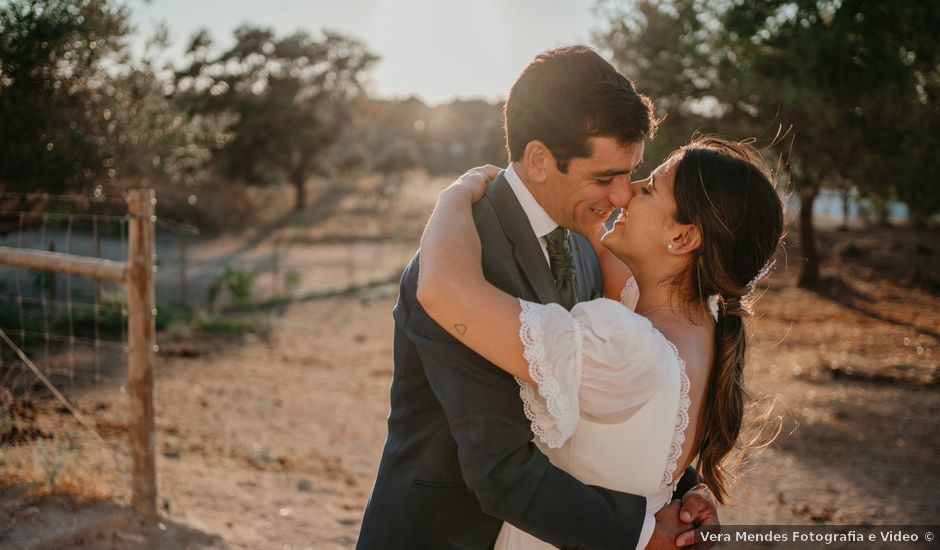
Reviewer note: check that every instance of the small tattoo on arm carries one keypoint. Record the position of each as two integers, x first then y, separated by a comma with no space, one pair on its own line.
460,328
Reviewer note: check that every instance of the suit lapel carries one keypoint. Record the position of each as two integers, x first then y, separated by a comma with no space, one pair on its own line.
525,245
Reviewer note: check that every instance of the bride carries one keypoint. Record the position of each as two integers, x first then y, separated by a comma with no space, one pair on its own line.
660,359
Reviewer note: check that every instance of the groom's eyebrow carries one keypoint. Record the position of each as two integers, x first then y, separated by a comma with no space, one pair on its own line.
611,172
619,171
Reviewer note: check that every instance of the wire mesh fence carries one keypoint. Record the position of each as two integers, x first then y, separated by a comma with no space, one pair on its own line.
65,328
64,338
73,327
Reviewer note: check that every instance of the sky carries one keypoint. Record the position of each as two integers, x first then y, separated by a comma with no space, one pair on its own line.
435,49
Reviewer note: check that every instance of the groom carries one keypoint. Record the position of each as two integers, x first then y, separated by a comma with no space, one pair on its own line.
459,458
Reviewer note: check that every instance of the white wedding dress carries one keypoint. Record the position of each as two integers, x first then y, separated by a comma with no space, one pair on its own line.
611,406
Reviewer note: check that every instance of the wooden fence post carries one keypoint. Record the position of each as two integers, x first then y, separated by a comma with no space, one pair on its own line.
141,328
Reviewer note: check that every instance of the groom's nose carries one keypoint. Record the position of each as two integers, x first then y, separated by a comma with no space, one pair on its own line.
621,192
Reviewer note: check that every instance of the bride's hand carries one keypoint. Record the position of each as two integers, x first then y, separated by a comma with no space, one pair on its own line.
474,181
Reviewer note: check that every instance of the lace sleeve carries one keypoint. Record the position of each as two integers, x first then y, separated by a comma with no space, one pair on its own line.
551,339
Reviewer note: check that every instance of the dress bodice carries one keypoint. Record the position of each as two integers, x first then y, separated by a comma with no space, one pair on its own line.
610,403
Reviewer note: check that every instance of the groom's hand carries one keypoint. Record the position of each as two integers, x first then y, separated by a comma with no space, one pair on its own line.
668,528
699,510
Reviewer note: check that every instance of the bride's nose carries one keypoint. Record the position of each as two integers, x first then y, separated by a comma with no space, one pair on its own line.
622,192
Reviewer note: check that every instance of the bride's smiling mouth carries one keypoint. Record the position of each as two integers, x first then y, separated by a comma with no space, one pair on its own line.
621,217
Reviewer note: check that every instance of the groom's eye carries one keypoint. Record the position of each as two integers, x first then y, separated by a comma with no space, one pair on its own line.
604,181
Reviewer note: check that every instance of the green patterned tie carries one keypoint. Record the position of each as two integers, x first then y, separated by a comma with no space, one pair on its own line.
562,264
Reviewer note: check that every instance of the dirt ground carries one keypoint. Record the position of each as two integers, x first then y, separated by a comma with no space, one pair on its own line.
273,441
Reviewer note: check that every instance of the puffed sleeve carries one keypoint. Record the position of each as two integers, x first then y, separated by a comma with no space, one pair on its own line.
600,361
624,360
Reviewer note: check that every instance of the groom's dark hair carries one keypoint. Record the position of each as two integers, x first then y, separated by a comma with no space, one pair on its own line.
569,94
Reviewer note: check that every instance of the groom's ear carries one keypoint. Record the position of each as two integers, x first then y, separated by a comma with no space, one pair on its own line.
538,161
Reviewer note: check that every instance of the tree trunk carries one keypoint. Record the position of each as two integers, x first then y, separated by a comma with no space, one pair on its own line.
846,207
298,182
299,170
809,277
883,212
916,217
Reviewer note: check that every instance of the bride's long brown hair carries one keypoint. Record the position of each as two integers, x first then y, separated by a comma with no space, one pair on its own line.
725,190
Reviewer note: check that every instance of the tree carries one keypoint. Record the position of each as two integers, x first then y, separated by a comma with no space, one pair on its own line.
292,96
463,134
77,110
54,94
667,49
845,74
448,138
854,79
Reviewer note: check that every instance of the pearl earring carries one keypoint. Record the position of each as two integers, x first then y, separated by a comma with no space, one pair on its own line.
669,246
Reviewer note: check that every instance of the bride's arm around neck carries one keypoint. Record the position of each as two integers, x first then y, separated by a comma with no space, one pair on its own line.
453,291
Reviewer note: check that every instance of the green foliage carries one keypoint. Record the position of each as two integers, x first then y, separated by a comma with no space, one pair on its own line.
109,320
292,280
291,98
238,282
54,102
44,281
80,111
396,135
53,455
853,83
229,324
170,314
856,80
182,323
77,110
667,48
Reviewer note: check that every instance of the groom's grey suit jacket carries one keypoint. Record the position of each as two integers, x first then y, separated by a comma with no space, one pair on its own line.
459,457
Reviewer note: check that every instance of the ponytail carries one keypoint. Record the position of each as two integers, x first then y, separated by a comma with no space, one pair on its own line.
725,412
724,189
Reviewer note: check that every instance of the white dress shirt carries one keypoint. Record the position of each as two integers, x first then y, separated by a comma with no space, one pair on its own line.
542,224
